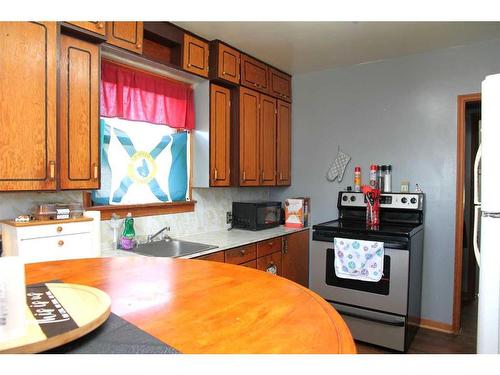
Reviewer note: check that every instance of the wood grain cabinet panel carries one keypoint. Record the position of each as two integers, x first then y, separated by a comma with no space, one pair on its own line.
28,95
254,74
284,143
98,27
195,55
249,138
127,35
296,257
225,63
267,141
280,84
79,114
213,257
241,254
268,246
250,264
220,135
270,263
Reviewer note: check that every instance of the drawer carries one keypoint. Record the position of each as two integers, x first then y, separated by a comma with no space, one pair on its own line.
268,246
241,254
214,257
251,264
270,263
50,230
56,248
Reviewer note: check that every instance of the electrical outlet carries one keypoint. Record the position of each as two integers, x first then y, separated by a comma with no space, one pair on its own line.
229,217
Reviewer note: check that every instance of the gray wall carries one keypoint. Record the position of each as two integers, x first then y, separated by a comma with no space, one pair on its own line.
401,112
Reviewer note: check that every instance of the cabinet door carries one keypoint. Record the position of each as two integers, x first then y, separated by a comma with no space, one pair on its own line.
213,257
270,263
267,141
228,64
280,84
254,74
296,257
249,138
97,27
79,114
128,35
283,143
220,135
28,94
195,55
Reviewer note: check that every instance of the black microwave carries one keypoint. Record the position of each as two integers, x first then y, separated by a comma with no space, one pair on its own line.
256,215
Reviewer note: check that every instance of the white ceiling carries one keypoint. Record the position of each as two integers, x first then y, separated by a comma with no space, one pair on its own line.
301,47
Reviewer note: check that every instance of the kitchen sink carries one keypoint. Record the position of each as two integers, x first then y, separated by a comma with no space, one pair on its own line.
171,247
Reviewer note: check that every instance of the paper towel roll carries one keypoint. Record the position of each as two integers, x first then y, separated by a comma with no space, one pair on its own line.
96,231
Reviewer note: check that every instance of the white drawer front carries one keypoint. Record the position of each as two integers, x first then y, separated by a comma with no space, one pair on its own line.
40,231
56,248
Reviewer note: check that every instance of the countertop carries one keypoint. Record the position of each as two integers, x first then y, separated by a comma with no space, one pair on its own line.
224,239
208,307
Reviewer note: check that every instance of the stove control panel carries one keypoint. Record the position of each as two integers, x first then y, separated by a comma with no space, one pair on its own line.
410,201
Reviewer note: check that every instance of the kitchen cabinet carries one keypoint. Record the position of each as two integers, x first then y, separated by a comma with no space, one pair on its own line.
224,63
284,144
267,140
268,246
249,169
295,257
78,114
250,264
127,35
242,254
220,135
271,263
280,85
97,27
213,257
254,74
28,92
195,55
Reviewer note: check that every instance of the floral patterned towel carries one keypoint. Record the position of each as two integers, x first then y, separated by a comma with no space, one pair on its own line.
359,260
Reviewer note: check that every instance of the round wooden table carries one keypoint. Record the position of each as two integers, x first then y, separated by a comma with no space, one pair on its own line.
208,307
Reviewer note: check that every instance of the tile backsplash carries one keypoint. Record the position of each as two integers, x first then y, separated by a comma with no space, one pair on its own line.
209,214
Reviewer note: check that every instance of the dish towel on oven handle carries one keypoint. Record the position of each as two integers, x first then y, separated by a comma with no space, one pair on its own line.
359,260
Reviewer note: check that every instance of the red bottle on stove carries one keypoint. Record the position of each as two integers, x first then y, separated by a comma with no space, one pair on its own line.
372,197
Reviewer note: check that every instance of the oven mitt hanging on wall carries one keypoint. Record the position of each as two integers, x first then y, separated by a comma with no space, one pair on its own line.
338,166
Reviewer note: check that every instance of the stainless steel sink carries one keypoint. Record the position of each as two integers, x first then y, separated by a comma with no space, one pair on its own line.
171,247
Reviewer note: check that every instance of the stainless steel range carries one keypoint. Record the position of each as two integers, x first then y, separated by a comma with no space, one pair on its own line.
387,312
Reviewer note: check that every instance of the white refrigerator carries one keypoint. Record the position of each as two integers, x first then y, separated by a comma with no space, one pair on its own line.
487,218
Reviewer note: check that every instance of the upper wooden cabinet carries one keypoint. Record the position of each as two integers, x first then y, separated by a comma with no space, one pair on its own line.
195,55
79,114
249,168
280,84
127,35
28,94
220,135
254,74
283,143
225,63
98,27
295,259
267,141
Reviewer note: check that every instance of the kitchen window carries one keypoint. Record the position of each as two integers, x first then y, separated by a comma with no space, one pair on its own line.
145,144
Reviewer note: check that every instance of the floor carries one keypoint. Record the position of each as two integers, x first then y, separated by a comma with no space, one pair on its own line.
427,341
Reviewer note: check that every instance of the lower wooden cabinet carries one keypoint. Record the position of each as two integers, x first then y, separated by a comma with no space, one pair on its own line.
214,257
250,264
271,263
296,257
79,114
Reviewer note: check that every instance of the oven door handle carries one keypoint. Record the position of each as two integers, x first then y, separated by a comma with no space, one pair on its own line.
376,320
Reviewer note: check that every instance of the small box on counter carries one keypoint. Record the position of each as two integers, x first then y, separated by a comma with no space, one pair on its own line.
297,212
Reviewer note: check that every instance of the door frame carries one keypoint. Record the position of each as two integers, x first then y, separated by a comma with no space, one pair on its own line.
462,101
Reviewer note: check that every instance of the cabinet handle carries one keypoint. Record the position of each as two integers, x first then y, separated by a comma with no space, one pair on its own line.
244,176
271,244
215,174
96,171
242,252
52,169
60,243
281,176
223,73
59,229
285,247
139,45
100,25
189,65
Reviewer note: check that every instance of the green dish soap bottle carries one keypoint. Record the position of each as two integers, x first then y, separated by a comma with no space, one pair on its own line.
127,239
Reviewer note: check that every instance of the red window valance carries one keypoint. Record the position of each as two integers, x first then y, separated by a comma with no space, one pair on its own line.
135,95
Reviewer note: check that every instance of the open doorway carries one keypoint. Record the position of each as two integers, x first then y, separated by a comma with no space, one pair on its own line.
466,269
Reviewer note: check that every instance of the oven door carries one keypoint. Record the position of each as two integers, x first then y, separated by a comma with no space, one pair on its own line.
390,294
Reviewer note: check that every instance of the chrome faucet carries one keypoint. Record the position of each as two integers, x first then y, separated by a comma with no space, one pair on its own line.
153,236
